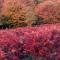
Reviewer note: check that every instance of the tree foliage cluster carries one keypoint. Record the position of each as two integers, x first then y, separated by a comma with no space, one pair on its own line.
21,13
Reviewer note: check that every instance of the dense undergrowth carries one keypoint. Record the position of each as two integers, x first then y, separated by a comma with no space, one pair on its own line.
33,43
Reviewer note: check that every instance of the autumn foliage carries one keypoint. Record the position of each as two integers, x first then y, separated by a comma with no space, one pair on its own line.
21,11
49,10
29,43
34,43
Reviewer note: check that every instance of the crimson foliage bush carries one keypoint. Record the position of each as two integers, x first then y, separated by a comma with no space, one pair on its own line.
31,43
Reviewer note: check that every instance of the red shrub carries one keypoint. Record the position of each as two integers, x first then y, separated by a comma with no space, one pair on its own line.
42,42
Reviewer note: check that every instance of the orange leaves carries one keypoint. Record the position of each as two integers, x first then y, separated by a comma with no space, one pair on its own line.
31,12
19,10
